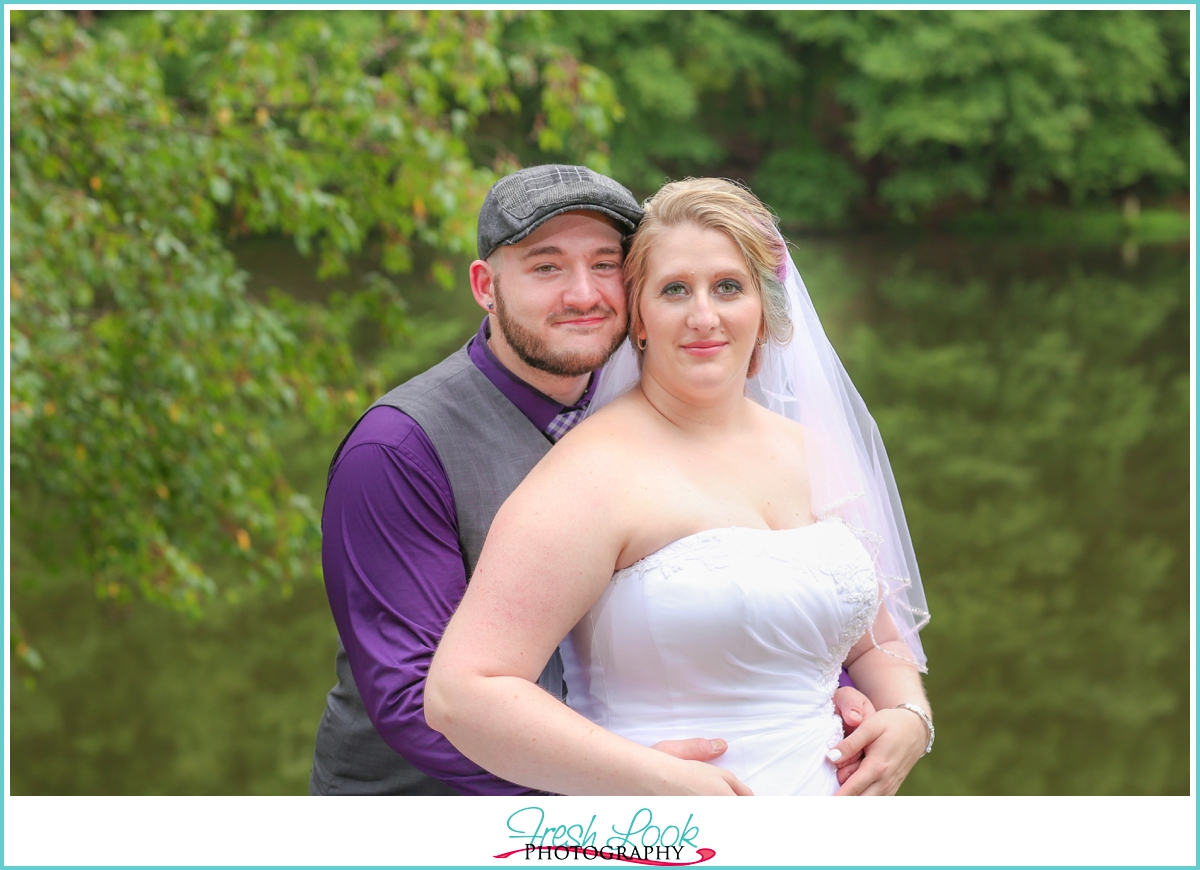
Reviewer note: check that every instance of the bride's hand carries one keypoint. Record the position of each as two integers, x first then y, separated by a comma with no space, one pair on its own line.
892,742
853,707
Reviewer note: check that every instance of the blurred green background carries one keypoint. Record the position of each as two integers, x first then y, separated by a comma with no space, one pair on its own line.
230,230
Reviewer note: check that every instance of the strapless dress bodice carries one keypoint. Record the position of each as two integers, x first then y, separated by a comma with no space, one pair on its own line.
737,633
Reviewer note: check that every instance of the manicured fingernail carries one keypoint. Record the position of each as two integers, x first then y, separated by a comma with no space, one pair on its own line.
853,715
834,755
718,745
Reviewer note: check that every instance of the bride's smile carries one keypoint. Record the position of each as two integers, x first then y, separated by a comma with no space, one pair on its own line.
700,314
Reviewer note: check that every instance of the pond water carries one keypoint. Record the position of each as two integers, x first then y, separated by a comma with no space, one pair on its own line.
1035,404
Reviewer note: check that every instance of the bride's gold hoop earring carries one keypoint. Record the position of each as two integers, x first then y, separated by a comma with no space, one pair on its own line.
641,344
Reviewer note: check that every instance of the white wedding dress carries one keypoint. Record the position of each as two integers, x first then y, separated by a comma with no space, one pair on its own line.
737,633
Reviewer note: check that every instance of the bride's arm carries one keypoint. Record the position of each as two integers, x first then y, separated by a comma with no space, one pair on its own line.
893,739
549,554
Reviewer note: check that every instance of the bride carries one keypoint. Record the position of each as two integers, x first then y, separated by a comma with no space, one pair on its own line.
717,541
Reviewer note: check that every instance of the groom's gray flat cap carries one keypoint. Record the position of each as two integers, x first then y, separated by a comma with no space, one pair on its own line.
520,203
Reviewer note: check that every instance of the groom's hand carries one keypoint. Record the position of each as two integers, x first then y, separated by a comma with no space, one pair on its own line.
853,707
695,749
704,750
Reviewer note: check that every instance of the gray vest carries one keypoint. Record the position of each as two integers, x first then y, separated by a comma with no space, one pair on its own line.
487,447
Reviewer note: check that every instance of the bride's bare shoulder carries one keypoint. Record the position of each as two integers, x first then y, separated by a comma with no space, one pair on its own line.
606,442
779,427
612,427
588,479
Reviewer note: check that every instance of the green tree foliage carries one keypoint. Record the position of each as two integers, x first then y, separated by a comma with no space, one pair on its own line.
149,390
691,84
971,103
839,115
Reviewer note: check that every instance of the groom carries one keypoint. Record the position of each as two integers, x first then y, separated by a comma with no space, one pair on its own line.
414,486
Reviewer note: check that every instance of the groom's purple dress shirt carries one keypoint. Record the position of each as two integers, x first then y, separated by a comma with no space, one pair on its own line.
394,570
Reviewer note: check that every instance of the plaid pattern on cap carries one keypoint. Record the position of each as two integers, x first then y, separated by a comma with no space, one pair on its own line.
520,203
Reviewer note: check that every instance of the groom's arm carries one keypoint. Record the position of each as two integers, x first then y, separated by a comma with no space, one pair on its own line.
395,574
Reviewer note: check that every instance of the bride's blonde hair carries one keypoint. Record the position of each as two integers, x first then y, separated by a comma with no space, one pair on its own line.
717,204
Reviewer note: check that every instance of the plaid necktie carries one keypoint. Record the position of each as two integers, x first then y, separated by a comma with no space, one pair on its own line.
565,421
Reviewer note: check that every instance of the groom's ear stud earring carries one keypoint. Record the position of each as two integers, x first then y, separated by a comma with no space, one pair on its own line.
490,306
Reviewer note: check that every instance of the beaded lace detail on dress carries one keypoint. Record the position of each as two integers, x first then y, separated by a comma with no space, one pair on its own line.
856,584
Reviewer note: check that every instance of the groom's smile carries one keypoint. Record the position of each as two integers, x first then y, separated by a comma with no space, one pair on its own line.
557,298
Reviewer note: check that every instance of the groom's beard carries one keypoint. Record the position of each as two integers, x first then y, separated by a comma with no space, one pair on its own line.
536,353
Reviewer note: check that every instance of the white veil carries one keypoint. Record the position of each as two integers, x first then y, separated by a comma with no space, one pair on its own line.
848,468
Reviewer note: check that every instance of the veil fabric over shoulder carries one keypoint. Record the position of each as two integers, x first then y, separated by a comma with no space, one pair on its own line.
849,471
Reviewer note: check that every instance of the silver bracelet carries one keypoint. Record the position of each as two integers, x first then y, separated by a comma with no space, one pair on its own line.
913,708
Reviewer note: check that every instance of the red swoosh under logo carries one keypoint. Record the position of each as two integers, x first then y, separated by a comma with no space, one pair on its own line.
705,855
